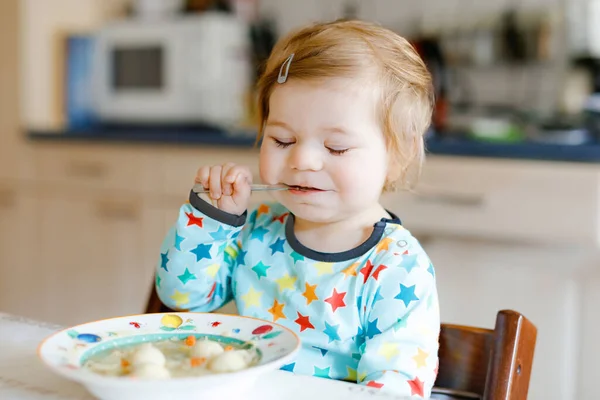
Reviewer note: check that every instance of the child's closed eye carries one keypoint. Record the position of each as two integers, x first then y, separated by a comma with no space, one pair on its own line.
282,143
337,151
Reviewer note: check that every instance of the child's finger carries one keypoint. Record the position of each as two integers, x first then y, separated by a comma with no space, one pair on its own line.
237,172
215,182
241,189
226,182
203,175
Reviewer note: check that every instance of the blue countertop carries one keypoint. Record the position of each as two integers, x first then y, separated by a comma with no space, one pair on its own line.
194,136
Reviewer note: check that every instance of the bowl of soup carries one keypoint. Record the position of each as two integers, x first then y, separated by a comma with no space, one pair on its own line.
169,355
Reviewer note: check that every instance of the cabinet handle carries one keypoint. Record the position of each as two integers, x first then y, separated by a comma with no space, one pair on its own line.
83,169
118,211
452,199
8,198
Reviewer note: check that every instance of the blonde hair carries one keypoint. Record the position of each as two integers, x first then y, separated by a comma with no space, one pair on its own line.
355,49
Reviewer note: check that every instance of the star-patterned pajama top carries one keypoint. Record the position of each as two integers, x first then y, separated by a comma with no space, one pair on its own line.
368,315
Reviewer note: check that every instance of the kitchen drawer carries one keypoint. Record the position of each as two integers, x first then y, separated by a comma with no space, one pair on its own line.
180,166
503,199
98,167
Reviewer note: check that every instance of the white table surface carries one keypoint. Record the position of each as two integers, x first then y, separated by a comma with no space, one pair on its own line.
24,377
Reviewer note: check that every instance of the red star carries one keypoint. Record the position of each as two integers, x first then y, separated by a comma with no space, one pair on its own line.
336,300
212,291
280,218
378,270
405,252
304,322
215,324
416,387
366,270
193,220
374,384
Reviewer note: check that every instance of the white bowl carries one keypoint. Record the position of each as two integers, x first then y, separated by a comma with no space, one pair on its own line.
65,352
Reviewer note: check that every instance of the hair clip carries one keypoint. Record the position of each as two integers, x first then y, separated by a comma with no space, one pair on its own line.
284,75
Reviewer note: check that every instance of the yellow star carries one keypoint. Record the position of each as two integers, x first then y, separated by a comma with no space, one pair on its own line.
384,244
351,374
232,251
180,298
324,268
361,377
212,270
421,358
389,350
286,282
252,298
277,310
351,270
263,209
309,293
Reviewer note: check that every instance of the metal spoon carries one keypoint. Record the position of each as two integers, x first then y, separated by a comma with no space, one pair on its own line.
198,188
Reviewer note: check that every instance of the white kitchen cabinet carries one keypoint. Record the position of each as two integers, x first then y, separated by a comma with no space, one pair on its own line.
19,244
91,252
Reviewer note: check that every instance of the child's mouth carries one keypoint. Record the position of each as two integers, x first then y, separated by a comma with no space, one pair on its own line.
303,189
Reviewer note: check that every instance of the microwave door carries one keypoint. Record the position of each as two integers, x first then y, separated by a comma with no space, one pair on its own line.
137,69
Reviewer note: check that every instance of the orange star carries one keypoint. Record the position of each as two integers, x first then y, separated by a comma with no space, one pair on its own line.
193,220
263,209
277,310
350,271
309,293
421,358
384,245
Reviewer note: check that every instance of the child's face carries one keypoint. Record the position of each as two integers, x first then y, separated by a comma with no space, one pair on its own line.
325,137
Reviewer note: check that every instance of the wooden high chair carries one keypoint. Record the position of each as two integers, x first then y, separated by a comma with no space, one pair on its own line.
486,364
474,363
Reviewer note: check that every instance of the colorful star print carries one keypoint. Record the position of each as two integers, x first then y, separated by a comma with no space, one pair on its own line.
360,319
309,293
164,259
407,294
193,220
186,276
336,300
202,251
277,310
261,270
277,246
332,332
304,322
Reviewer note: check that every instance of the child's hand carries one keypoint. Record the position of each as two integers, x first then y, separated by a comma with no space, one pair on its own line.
229,186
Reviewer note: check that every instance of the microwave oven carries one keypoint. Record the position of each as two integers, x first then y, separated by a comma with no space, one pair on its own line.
184,70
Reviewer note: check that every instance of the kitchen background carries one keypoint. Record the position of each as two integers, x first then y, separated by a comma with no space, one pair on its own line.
97,155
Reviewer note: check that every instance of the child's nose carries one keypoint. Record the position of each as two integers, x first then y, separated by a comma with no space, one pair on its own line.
305,158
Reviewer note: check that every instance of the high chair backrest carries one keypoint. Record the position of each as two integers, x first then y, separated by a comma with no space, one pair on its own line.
484,363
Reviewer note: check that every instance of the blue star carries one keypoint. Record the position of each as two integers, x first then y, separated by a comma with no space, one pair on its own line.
401,323
409,262
288,367
220,234
322,372
323,351
241,257
430,270
407,294
277,246
356,356
202,251
331,332
178,240
235,234
372,329
378,296
186,276
218,291
164,260
261,269
259,233
297,257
